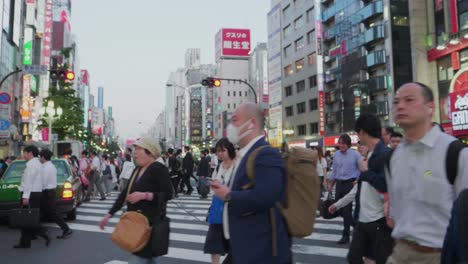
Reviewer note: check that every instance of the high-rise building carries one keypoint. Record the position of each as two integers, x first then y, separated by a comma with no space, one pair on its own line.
100,102
258,73
192,58
367,56
300,100
440,56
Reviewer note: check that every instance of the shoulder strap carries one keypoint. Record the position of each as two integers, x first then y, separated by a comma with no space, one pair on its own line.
451,161
251,167
389,158
134,176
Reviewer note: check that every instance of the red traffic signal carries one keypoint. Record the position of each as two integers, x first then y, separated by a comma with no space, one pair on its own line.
211,82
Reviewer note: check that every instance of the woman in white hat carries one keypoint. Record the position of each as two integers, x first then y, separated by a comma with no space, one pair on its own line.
149,193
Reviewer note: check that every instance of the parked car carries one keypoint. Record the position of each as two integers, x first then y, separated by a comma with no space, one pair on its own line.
68,193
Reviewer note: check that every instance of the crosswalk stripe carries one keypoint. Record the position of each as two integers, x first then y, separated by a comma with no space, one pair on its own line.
318,250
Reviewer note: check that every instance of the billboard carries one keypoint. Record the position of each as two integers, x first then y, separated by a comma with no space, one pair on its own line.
459,112
231,42
30,13
17,21
46,42
320,82
25,109
28,46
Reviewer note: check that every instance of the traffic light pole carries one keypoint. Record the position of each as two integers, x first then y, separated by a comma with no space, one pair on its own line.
8,75
244,82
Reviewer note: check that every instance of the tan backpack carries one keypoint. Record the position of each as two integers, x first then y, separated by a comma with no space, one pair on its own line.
302,191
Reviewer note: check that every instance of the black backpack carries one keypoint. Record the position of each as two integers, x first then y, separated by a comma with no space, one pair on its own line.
451,161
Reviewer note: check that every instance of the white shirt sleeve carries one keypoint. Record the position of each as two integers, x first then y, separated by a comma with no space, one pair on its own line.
347,199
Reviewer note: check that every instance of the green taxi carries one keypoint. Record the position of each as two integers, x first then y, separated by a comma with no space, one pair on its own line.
68,193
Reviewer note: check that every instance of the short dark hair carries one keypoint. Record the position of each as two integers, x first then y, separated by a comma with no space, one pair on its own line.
46,154
396,134
105,157
426,92
84,152
128,157
370,124
129,150
32,149
346,139
93,153
178,152
389,130
225,144
170,151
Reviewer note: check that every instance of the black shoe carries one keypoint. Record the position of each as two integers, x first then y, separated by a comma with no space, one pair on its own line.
34,238
65,234
343,240
46,238
21,246
102,199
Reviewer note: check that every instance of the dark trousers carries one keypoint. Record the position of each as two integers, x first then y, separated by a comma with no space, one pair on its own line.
373,236
342,189
175,182
27,234
186,181
49,208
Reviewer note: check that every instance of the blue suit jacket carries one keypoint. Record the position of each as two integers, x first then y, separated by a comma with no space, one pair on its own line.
249,211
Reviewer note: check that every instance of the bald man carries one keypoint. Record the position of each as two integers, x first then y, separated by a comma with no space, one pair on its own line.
246,218
421,196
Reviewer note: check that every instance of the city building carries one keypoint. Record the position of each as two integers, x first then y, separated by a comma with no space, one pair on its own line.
441,58
367,56
232,47
258,73
175,91
192,58
300,93
100,102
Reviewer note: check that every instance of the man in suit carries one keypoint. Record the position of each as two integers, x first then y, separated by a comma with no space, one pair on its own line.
187,165
246,219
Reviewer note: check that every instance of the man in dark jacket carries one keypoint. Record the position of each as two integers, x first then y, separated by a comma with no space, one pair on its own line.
187,165
203,172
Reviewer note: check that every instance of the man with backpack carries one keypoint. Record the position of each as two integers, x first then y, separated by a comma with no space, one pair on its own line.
187,165
174,169
426,172
255,227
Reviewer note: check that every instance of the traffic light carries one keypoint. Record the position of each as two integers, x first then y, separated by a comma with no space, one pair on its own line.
211,82
62,74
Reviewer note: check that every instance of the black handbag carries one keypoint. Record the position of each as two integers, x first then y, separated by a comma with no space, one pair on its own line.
25,217
324,208
160,232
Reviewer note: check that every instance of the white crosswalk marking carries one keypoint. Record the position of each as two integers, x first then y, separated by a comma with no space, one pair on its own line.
188,230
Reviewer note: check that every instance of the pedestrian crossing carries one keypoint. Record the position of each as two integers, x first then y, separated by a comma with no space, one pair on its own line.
188,231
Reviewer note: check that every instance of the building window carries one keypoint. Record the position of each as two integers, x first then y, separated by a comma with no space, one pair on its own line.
229,106
299,44
314,128
464,20
310,14
288,91
401,21
312,59
288,70
234,106
301,130
301,108
313,81
311,37
299,65
286,12
234,93
287,31
313,104
289,111
229,93
298,23
287,51
300,86
245,93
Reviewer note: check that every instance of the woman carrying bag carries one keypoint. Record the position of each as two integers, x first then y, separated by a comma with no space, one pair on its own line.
147,194
215,243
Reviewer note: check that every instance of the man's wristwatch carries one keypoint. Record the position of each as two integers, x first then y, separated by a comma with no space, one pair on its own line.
228,197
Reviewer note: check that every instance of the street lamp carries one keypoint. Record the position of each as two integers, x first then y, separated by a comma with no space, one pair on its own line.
53,114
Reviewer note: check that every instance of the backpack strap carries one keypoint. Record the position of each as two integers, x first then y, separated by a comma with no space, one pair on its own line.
451,161
463,219
389,158
251,167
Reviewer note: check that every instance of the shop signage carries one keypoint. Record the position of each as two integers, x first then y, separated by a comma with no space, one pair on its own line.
459,112
333,140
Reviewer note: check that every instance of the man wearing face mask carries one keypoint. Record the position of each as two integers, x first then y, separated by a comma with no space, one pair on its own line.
246,216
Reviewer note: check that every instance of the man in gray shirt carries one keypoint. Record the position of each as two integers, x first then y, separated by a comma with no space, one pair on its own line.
421,197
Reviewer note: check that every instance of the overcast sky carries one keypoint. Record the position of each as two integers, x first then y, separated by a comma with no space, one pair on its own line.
130,47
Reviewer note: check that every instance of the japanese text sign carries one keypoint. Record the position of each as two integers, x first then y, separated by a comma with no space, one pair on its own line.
232,43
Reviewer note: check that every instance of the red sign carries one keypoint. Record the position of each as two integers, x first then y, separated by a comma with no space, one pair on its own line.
321,113
459,112
333,140
232,42
435,54
455,61
46,43
45,134
454,16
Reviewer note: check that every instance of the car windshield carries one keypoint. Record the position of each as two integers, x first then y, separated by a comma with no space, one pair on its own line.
16,169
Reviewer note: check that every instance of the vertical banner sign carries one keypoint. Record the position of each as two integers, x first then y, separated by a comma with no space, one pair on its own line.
25,110
86,106
17,21
40,17
47,33
318,32
459,112
27,46
30,12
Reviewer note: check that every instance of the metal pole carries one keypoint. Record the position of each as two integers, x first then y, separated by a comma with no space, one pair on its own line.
50,131
244,82
8,75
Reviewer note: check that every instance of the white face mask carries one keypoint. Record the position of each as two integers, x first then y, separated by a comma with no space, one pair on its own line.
233,132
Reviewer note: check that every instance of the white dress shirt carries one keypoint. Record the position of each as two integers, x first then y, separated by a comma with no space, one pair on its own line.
31,180
127,170
49,176
421,197
95,163
240,156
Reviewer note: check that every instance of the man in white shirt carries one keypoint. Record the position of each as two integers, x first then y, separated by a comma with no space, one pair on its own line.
49,204
421,196
31,191
95,180
247,209
126,173
213,160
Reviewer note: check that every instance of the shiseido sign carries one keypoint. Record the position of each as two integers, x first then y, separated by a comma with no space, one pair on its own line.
459,112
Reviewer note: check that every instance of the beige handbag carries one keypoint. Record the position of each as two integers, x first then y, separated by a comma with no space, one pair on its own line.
133,230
